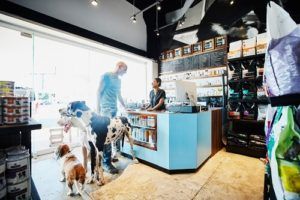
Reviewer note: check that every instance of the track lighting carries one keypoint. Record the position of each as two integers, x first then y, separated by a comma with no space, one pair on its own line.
133,18
94,3
157,32
158,6
181,22
231,2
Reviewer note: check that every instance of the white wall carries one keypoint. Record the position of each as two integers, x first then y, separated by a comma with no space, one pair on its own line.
111,18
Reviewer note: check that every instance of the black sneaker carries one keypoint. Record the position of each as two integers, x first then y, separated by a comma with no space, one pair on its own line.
110,169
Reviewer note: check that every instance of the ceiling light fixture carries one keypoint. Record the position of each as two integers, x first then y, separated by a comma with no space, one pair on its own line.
158,6
181,21
133,18
231,2
94,3
156,30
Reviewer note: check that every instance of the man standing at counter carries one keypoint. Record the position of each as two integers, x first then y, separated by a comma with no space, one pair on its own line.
109,91
157,97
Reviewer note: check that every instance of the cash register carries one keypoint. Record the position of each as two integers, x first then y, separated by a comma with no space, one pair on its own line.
186,98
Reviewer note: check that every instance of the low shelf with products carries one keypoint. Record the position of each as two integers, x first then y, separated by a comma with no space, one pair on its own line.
144,131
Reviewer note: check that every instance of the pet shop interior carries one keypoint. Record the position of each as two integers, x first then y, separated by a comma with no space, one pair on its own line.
149,99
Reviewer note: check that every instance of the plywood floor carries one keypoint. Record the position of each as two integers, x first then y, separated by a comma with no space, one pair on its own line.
224,176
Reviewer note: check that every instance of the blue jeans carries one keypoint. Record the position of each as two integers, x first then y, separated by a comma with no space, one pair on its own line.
107,147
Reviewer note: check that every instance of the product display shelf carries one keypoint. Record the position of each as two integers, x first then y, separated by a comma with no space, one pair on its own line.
195,78
244,123
264,101
194,70
247,128
143,127
144,131
204,86
12,135
246,58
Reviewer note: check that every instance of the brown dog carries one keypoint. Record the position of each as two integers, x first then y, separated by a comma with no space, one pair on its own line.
72,170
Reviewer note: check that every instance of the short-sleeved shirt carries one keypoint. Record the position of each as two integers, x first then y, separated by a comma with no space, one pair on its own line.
111,89
154,98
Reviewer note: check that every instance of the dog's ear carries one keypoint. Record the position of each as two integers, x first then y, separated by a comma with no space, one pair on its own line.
63,150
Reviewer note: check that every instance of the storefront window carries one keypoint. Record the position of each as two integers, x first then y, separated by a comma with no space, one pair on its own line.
60,72
16,57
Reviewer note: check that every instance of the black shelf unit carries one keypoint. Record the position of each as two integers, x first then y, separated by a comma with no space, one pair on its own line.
242,131
243,101
12,135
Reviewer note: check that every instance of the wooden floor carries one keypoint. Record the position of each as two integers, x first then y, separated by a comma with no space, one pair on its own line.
224,176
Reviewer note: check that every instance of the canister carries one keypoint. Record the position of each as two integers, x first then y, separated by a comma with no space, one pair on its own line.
17,166
2,171
3,193
13,110
19,191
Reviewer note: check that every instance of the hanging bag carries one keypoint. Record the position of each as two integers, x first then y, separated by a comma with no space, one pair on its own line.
282,63
284,154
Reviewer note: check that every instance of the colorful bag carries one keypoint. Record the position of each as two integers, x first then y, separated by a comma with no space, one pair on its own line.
284,154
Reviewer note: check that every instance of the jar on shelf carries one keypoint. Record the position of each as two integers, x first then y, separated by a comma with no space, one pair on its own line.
151,121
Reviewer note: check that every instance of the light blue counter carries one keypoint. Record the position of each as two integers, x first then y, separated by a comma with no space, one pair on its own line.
183,141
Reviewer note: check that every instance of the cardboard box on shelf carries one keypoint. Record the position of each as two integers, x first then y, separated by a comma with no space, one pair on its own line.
235,50
261,43
249,47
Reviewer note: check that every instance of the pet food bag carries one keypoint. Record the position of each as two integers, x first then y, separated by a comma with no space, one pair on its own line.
282,63
283,152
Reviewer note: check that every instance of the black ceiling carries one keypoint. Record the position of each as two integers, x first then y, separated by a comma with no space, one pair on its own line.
220,12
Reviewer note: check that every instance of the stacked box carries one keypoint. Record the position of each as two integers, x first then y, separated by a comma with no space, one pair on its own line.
249,47
261,43
16,110
235,50
6,88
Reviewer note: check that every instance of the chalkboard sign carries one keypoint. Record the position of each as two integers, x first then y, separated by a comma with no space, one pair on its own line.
218,58
200,61
204,60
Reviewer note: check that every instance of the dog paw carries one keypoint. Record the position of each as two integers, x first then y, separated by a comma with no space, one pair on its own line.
70,193
90,180
100,183
135,161
63,179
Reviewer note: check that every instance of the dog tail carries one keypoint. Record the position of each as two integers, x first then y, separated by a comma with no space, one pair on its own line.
81,179
80,173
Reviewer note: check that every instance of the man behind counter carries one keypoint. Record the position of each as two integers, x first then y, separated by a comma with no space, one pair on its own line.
157,97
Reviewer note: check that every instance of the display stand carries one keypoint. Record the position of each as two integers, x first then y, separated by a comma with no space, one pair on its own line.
243,102
12,135
144,131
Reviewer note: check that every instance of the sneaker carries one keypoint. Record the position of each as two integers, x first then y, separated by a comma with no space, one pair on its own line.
110,169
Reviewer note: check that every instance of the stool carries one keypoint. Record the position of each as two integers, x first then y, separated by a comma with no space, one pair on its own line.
56,136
